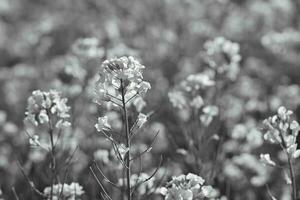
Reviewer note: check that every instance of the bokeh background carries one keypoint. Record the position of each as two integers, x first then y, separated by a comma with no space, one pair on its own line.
42,47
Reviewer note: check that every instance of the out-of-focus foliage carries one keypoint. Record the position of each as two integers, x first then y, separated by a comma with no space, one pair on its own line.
217,69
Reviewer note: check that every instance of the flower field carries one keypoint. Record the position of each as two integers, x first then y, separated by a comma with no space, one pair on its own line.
149,99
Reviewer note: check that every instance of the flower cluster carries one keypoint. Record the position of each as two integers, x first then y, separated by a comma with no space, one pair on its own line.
246,168
44,105
141,182
281,129
288,95
118,77
190,94
87,47
187,93
188,187
65,191
102,124
223,56
281,42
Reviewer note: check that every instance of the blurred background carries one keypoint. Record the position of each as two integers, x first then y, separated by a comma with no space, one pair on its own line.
60,44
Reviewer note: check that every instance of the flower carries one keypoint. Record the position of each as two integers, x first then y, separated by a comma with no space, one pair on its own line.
140,179
177,99
68,191
187,94
266,159
141,120
121,78
103,124
283,113
208,113
87,47
42,105
188,187
34,141
223,56
102,155
143,87
281,129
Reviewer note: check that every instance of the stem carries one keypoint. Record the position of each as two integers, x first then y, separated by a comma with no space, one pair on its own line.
292,174
127,142
291,169
52,153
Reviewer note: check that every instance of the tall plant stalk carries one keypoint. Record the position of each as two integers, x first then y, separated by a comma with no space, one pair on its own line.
293,179
127,136
52,154
291,169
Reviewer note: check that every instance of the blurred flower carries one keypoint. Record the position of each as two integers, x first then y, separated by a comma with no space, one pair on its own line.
141,120
188,187
34,141
266,159
102,155
42,105
141,180
208,113
87,47
102,124
67,191
223,56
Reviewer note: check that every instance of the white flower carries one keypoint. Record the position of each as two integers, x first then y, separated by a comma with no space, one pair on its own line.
68,191
141,120
293,151
266,159
208,191
34,141
87,47
283,113
208,113
118,77
43,104
103,124
187,187
197,102
144,86
102,155
223,56
177,99
281,129
43,117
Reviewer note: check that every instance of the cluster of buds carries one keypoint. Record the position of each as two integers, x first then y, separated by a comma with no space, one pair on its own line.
188,187
281,129
223,56
64,191
120,77
44,106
